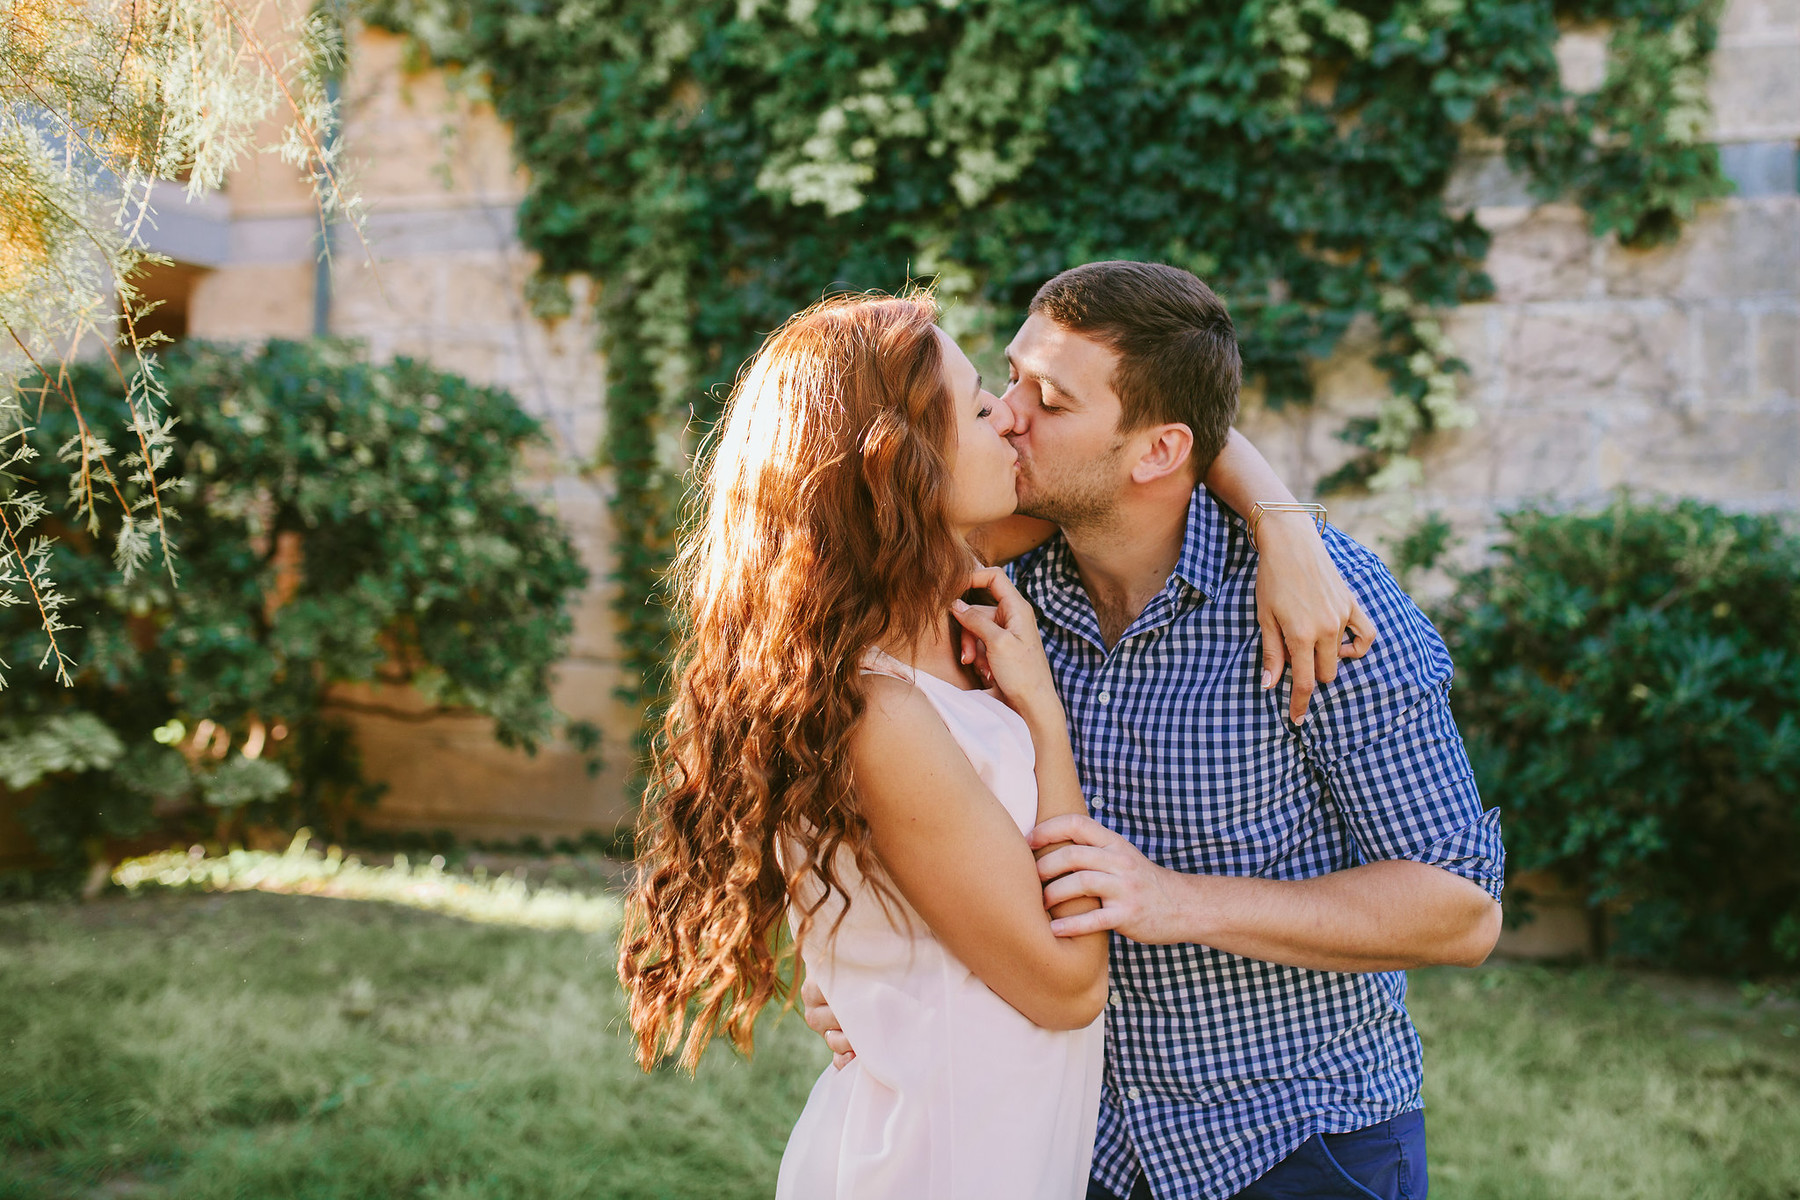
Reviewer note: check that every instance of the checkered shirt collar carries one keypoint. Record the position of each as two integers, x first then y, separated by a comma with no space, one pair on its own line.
1052,574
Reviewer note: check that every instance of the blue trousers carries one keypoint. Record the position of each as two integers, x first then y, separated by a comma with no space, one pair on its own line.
1382,1162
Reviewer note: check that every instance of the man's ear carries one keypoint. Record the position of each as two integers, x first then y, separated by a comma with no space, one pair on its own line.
1166,450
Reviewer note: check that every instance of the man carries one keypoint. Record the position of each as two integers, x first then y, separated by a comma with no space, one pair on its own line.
1268,880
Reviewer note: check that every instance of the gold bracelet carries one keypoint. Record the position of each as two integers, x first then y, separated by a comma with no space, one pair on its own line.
1316,511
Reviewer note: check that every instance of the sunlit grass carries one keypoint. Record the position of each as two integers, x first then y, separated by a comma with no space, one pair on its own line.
260,1046
254,1046
304,871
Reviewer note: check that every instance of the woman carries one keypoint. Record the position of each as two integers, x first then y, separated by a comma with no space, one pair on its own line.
830,759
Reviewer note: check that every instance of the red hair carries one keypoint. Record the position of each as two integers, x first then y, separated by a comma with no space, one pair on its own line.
825,533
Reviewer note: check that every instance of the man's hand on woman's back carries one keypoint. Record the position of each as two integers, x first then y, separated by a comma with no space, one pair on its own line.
822,1021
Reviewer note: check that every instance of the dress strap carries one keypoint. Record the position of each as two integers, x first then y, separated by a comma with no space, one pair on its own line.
876,661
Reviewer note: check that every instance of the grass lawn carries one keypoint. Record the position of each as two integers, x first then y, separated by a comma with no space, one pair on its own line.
256,1046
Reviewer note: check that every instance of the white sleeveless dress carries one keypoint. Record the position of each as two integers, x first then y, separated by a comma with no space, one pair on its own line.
953,1094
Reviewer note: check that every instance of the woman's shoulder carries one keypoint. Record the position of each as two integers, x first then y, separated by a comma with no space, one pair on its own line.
901,735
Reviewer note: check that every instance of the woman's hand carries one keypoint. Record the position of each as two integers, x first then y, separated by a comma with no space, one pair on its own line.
1304,607
1011,650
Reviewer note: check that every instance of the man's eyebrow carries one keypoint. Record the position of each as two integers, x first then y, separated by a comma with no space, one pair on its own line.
1041,378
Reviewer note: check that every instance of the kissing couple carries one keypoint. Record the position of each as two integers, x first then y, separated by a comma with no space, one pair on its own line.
1094,897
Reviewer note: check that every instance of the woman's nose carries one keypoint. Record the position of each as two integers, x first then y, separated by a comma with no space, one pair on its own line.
1001,416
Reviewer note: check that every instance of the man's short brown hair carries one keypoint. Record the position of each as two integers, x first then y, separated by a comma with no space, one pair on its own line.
1178,352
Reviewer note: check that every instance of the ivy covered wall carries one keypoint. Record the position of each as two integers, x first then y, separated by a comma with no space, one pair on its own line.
718,165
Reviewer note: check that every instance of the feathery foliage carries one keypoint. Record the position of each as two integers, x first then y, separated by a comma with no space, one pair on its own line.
100,100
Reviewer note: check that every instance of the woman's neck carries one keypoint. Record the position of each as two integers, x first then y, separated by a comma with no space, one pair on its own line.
938,653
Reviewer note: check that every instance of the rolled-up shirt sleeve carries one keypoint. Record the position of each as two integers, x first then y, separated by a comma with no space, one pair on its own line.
1392,759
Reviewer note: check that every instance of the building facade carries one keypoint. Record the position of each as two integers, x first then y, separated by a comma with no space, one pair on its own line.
1674,370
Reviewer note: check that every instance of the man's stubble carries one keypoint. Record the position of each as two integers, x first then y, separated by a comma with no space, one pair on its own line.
1085,497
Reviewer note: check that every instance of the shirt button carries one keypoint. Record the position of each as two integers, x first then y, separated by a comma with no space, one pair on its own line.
1113,998
1106,697
1132,1094
1096,804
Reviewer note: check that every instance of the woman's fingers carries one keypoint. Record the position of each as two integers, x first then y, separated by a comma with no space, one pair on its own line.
1362,632
1325,657
1301,664
1274,650
977,619
1015,610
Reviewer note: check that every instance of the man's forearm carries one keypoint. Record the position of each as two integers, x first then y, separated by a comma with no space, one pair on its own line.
1385,916
1001,541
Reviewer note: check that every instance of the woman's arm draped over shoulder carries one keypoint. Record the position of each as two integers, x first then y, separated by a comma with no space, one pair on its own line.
1302,601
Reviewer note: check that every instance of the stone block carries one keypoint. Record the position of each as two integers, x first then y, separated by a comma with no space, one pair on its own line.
1725,355
1717,453
1470,330
1480,181
392,295
1297,442
252,302
264,185
395,230
1581,60
596,626
1755,89
1733,248
486,289
584,689
1762,168
377,86
292,239
449,773
1759,17
1778,354
1543,254
434,159
1514,454
473,359
1592,351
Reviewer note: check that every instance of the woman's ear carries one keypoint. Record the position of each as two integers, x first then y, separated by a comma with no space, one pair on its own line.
1166,450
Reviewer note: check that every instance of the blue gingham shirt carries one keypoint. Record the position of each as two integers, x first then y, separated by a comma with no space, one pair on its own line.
1217,1066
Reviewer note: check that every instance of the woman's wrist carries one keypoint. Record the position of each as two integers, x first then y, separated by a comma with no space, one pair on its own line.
1286,526
1045,717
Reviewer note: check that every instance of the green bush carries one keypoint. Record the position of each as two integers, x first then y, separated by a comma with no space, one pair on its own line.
337,522
1629,689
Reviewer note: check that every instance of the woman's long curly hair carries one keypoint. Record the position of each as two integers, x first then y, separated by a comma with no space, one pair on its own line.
824,533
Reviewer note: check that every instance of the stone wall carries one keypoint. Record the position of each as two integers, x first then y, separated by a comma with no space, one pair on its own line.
1673,370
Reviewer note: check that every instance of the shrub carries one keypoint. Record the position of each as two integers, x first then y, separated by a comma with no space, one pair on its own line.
1629,689
338,522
